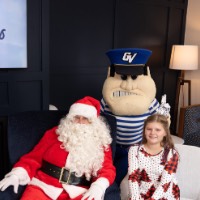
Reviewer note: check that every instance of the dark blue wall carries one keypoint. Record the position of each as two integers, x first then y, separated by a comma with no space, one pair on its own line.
82,31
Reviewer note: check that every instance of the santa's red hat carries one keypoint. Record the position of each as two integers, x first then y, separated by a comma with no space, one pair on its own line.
88,107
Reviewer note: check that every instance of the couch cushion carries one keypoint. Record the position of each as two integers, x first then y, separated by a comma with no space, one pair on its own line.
188,173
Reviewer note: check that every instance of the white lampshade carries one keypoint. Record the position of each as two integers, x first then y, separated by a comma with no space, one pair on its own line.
184,57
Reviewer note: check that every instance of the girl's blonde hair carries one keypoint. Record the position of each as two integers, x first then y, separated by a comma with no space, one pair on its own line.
167,140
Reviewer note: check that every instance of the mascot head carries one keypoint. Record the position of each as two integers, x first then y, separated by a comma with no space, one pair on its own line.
129,88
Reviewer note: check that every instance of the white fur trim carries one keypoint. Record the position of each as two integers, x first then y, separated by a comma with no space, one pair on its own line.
50,190
73,190
83,110
21,173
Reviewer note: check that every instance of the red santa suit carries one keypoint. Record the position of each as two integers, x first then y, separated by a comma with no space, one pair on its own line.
49,149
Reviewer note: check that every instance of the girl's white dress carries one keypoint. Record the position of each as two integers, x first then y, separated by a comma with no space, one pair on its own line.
151,177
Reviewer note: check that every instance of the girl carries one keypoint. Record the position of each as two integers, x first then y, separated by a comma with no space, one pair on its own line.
153,164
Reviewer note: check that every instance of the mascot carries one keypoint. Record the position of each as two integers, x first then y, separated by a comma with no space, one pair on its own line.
129,94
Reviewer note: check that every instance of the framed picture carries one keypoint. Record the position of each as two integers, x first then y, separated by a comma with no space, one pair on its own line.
13,34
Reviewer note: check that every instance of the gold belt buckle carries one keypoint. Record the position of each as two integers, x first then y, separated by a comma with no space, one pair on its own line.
61,175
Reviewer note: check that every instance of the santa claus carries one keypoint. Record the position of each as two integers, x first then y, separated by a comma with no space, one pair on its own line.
71,161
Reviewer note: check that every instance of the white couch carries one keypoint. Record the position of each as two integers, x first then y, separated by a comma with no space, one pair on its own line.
188,174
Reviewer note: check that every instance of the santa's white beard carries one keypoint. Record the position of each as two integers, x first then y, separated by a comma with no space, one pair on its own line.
86,145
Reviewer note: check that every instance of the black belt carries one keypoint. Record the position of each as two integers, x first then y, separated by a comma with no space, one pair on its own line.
63,175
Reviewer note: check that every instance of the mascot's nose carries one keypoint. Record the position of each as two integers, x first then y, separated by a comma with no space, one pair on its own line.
128,84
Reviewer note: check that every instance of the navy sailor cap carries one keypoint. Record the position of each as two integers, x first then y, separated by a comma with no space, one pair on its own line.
129,56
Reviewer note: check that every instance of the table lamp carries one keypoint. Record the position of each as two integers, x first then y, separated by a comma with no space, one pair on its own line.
183,57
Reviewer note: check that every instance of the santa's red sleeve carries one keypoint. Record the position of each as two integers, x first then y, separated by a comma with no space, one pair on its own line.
32,161
108,170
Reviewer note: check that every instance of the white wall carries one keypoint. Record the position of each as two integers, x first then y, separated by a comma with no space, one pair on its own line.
192,37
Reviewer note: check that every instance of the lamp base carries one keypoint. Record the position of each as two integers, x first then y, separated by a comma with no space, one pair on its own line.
181,81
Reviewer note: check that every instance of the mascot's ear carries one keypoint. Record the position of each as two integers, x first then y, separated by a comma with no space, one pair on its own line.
148,72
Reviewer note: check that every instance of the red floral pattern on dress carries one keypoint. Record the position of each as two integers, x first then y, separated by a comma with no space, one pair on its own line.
159,199
171,165
134,176
166,187
149,193
144,176
176,191
159,178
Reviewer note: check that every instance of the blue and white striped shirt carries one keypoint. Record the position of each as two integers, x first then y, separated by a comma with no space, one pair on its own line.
129,128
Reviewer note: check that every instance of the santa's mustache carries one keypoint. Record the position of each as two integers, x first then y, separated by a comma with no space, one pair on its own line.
73,134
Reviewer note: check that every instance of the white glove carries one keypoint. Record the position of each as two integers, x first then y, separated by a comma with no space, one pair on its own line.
96,190
8,181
